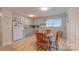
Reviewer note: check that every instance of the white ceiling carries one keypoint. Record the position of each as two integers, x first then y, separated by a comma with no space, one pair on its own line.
52,11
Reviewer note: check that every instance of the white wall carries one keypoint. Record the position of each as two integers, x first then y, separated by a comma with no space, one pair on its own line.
0,32
6,28
73,29
37,21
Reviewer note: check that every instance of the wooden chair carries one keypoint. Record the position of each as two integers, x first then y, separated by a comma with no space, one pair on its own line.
57,40
48,31
42,43
54,44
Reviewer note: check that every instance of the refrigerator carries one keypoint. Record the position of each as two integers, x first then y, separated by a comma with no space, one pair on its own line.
17,29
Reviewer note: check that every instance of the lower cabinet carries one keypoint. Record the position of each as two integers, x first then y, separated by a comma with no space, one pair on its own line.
27,32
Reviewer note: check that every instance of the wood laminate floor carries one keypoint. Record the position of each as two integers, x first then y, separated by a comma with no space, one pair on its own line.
28,44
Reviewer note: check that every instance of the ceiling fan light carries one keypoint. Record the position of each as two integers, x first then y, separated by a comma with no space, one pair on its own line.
44,8
31,15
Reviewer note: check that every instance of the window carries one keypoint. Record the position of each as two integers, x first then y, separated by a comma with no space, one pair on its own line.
53,22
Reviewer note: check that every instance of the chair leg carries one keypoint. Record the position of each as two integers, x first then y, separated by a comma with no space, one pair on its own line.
37,48
57,47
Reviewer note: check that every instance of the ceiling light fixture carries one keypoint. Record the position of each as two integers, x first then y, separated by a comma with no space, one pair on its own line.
31,15
44,8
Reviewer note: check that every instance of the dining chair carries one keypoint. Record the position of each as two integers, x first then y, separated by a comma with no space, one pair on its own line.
57,41
54,41
48,31
42,43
